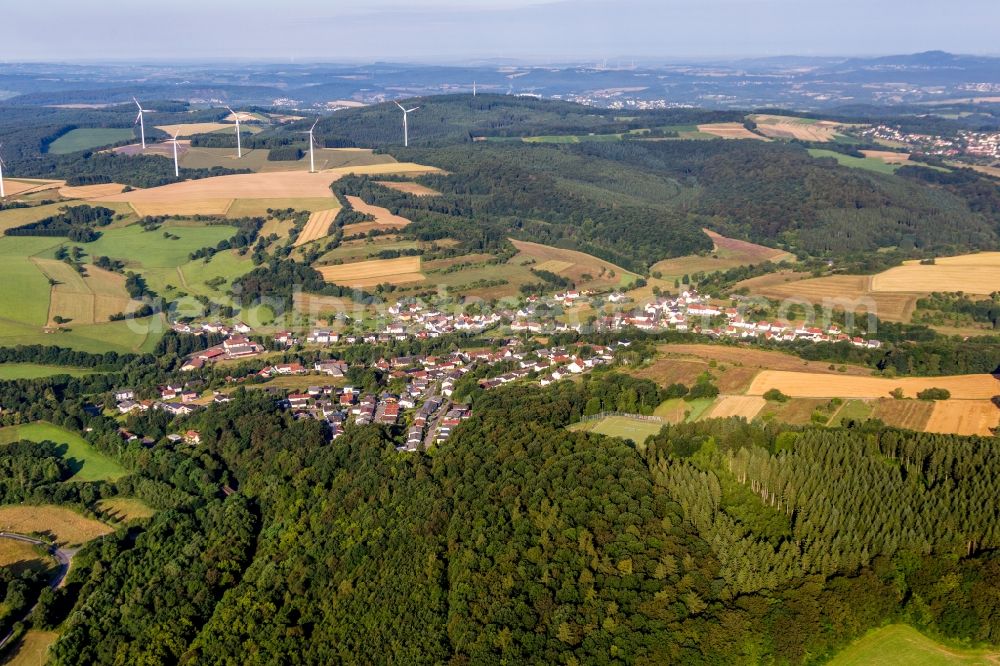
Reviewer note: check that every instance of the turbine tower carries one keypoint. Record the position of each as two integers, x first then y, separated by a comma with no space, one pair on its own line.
177,168
312,159
473,88
142,123
3,192
239,146
406,124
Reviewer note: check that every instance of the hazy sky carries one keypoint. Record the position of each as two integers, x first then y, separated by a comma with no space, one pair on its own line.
338,30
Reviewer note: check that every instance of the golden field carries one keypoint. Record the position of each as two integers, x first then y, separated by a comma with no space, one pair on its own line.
815,385
64,525
377,271
729,131
416,189
317,227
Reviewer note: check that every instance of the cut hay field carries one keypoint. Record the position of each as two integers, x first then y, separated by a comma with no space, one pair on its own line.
317,227
790,127
797,411
11,371
746,406
964,417
816,385
971,273
18,186
383,218
91,191
190,129
636,430
887,156
902,644
259,207
85,138
909,414
364,248
730,131
197,157
21,556
87,463
574,265
370,273
124,509
32,649
416,189
83,300
65,526
727,253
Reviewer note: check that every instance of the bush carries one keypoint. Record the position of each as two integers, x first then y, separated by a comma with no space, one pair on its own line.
285,154
934,394
775,395
703,389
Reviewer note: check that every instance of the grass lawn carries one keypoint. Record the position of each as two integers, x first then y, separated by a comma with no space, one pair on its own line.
902,644
32,649
621,426
10,371
87,463
89,137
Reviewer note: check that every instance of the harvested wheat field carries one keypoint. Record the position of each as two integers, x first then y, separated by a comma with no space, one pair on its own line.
213,196
190,129
887,156
382,216
964,417
378,271
387,168
15,187
163,149
972,274
416,189
317,227
729,131
746,356
791,127
815,385
64,525
91,191
856,292
747,406
909,414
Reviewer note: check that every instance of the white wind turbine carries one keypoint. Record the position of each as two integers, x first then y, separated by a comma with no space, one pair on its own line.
473,88
406,124
177,168
239,146
3,193
312,160
142,123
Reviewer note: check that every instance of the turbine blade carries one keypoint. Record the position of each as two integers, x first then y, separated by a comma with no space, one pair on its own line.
400,106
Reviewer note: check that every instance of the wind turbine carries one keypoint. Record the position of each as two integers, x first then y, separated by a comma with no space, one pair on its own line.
473,88
177,168
406,124
142,123
239,146
312,160
3,193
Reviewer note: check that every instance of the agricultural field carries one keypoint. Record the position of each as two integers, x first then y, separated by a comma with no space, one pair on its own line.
408,187
88,463
797,411
317,227
83,300
964,417
190,129
585,270
970,273
10,371
90,191
625,427
730,131
255,159
364,248
887,156
902,644
746,406
817,385
32,649
852,410
259,207
65,526
378,271
18,186
727,253
124,509
85,138
22,556
877,165
803,129
383,218
909,414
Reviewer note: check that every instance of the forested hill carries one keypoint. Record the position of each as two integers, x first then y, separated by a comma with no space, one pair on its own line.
460,118
519,541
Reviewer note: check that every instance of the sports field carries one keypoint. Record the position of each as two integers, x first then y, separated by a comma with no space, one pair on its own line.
900,644
60,523
378,271
88,463
84,138
634,429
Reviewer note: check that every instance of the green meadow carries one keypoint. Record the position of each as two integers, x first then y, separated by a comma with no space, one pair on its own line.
10,371
85,138
902,644
866,163
87,463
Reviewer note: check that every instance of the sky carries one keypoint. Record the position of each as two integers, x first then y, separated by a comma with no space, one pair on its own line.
475,30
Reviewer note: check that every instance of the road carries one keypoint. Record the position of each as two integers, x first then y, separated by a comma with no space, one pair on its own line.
63,555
